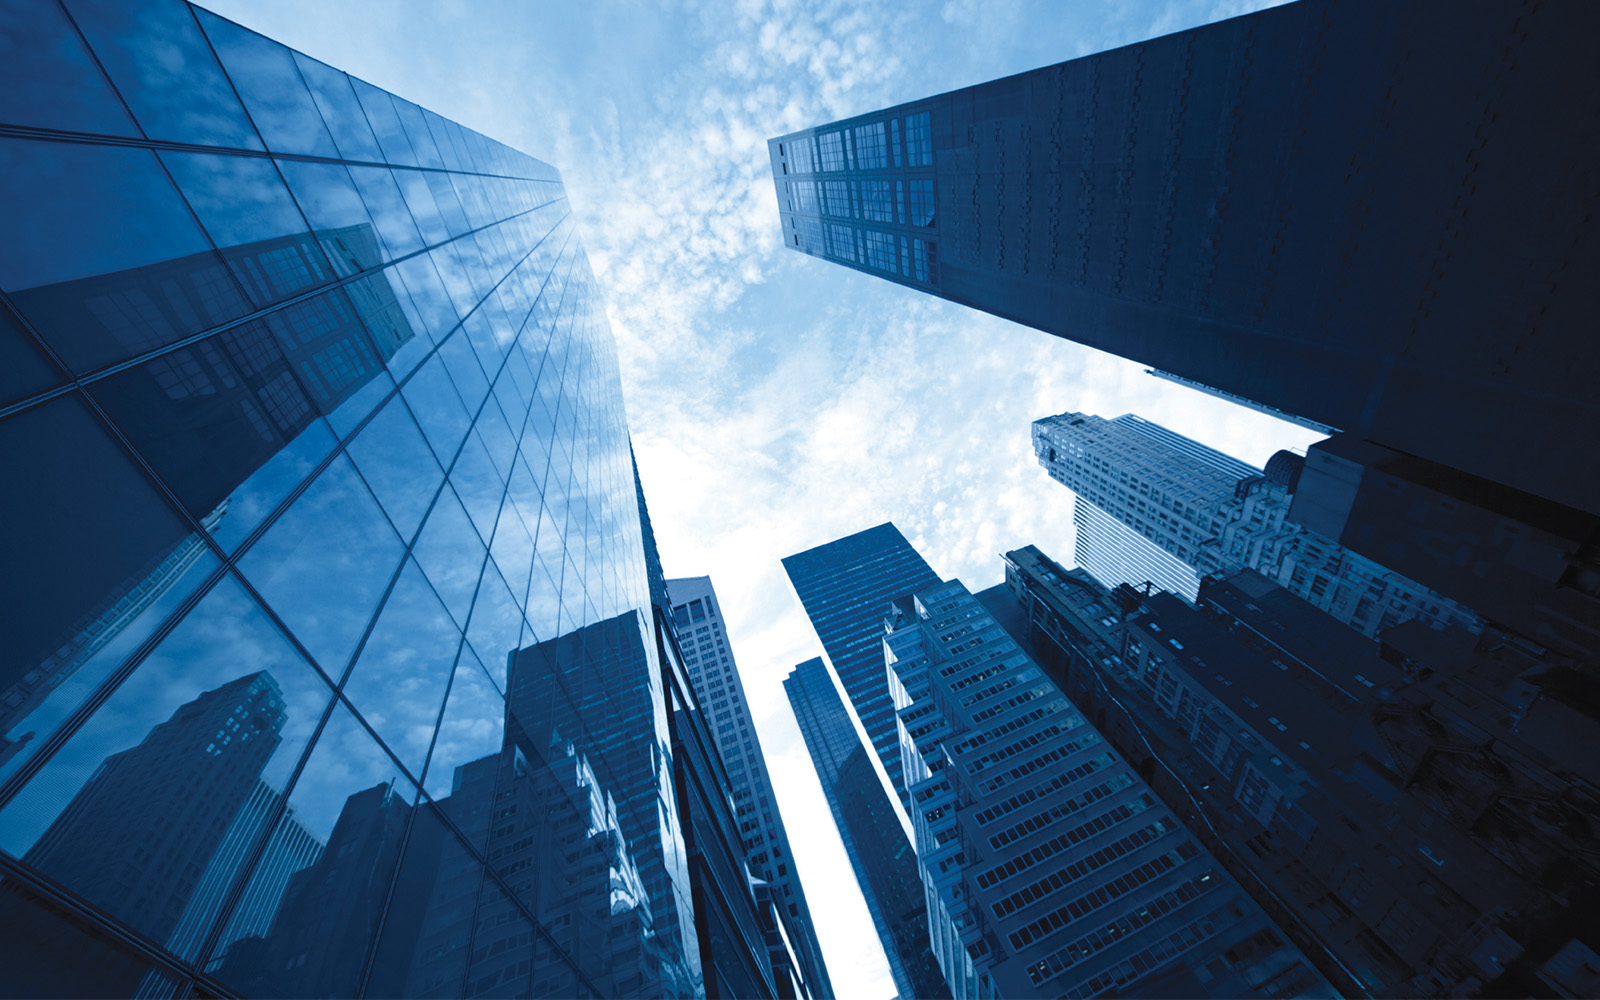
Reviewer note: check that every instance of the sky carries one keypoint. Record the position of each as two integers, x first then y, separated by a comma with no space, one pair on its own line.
778,401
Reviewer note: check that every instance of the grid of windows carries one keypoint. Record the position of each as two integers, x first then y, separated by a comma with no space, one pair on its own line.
341,690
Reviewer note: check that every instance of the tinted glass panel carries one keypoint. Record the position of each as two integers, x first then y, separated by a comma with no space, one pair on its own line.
47,77
326,563
165,70
266,77
131,810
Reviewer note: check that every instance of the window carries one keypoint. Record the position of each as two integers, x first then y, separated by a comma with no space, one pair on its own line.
875,202
871,150
831,147
880,251
922,206
919,140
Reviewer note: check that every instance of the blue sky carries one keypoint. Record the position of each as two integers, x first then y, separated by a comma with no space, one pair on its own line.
778,401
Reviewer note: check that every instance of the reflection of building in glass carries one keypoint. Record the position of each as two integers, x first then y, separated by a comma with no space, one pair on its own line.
872,832
238,275
207,416
140,834
1185,511
698,622
290,849
1410,809
1057,871
845,586
594,687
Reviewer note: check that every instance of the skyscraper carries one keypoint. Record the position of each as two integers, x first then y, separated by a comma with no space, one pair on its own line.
1322,765
1056,869
1172,499
1346,212
878,845
698,620
845,586
307,397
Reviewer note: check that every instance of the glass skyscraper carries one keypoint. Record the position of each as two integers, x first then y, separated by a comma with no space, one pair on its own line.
879,846
845,586
330,666
1349,212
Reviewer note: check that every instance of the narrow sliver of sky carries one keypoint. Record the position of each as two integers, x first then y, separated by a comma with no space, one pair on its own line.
776,401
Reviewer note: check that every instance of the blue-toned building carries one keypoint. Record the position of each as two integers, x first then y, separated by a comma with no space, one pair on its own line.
871,828
1353,213
845,586
331,662
1053,870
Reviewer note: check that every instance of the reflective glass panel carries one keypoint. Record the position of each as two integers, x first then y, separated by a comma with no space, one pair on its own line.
265,75
451,554
97,294
342,113
352,798
397,464
130,811
399,679
47,77
326,563
164,68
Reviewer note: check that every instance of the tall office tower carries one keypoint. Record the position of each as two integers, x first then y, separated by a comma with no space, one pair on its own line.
1413,813
714,673
1342,211
875,840
845,585
298,379
1172,499
1059,871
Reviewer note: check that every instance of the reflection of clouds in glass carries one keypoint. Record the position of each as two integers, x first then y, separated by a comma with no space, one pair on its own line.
331,90
239,199
388,209
393,458
224,637
256,497
496,624
344,761
264,74
325,563
450,554
399,679
473,725
438,408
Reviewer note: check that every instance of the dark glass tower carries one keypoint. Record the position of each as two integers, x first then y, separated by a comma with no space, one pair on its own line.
1348,212
879,848
328,626
846,586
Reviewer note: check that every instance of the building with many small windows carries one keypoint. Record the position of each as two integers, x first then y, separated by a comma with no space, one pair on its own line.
1386,804
697,619
1052,867
1183,511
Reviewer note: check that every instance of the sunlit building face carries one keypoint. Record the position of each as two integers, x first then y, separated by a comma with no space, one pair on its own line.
328,662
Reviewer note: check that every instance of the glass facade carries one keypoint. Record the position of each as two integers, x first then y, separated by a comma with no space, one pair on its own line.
846,586
329,663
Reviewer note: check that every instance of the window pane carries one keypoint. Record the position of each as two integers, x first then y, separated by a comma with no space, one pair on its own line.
265,75
394,459
399,680
451,554
326,563
341,112
47,77
222,706
249,214
163,67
